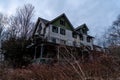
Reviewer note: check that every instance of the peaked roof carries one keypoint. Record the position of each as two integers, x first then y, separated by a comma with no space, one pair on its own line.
90,36
82,26
62,15
44,20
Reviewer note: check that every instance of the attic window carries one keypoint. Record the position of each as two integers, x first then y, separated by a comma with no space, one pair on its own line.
62,22
84,31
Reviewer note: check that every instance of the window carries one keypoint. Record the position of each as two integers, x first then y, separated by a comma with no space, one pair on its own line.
74,43
62,22
62,31
54,40
84,31
39,28
62,41
54,29
74,35
81,37
88,39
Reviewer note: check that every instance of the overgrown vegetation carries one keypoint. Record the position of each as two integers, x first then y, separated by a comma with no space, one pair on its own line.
103,67
16,53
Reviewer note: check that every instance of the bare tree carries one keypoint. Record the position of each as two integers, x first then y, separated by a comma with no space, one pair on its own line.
111,37
114,32
21,24
3,24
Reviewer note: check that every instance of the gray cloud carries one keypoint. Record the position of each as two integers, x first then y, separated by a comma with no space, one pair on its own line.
97,14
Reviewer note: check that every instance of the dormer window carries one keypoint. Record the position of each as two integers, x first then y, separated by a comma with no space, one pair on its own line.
62,22
84,31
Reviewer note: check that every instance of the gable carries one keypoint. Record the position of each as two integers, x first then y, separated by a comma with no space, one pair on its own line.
62,19
83,26
40,24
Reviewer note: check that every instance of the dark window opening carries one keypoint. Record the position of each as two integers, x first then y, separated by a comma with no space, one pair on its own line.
62,31
81,37
88,39
39,28
74,43
54,29
62,41
84,31
62,22
74,35
54,40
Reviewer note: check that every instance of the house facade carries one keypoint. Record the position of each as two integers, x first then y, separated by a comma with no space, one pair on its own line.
61,31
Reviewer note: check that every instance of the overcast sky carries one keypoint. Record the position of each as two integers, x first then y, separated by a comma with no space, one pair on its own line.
97,14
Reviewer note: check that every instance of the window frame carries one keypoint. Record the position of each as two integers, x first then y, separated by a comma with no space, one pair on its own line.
54,29
84,31
62,22
62,41
88,39
74,35
54,40
81,37
62,31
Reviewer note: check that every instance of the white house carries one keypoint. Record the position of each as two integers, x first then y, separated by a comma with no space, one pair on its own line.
61,31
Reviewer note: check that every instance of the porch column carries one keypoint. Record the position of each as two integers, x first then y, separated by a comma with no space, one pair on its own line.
41,51
35,52
58,54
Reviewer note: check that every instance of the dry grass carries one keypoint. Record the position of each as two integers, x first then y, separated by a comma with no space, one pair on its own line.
100,69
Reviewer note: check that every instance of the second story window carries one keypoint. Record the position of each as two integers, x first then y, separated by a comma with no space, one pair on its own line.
55,29
62,31
62,22
74,35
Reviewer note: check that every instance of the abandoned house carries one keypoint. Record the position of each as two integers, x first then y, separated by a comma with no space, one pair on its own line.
61,31
48,35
